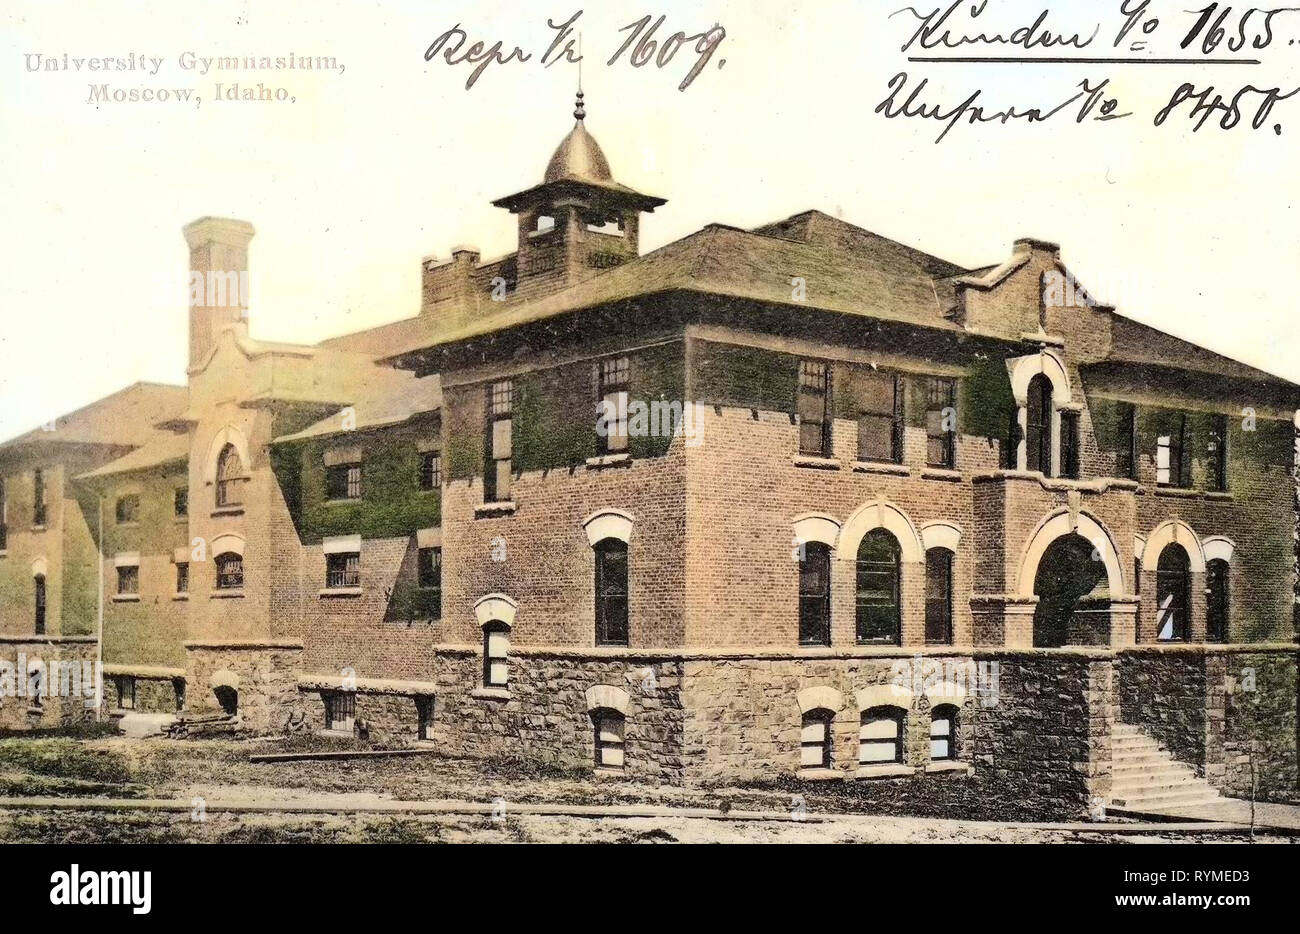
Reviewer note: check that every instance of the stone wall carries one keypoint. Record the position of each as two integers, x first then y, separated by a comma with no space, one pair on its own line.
265,674
60,669
1164,693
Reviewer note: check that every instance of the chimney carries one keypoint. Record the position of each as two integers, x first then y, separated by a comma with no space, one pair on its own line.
218,280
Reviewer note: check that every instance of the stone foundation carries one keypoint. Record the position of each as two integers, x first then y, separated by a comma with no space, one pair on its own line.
61,669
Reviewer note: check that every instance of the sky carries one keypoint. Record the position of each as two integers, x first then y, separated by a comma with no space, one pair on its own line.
390,158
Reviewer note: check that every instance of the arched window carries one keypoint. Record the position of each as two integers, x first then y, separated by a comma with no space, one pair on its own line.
496,648
878,593
39,622
230,472
880,740
230,571
938,596
1173,594
611,592
815,594
1038,425
610,728
943,732
1216,593
815,749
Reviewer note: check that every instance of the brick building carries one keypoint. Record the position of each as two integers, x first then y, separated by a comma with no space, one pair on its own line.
797,501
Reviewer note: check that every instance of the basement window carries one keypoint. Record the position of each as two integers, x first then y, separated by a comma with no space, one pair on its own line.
125,686
815,740
943,733
610,733
340,710
880,739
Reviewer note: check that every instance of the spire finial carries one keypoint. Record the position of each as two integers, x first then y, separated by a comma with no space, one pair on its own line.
579,110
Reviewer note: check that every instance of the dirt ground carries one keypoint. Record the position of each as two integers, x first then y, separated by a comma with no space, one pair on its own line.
216,772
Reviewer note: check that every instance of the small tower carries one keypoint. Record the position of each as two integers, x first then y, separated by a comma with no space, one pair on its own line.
578,221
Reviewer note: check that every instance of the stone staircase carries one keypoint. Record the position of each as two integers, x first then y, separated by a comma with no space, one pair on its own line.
1145,777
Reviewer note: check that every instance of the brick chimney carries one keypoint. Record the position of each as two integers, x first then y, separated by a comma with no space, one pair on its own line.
218,280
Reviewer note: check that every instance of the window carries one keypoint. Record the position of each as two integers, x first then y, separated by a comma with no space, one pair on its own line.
230,571
612,395
1038,426
4,517
429,568
500,411
424,717
815,594
38,497
125,686
1070,445
814,409
39,584
343,481
940,432
880,739
1173,594
496,646
815,740
610,731
938,596
880,425
128,509
128,579
183,577
611,592
230,473
181,502
1217,454
1126,441
430,470
1216,593
340,710
943,732
342,569
1173,468
877,588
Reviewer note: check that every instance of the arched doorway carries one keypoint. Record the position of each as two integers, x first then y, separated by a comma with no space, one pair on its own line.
1073,594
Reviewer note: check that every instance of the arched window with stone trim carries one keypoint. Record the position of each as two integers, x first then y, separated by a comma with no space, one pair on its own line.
938,596
943,732
230,571
815,594
1173,594
1038,425
815,746
610,728
1217,597
611,592
879,615
230,473
880,737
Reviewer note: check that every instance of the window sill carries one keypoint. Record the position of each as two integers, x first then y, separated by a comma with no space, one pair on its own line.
607,772
890,770
817,463
340,592
338,734
228,594
487,510
39,527
491,693
882,467
180,596
4,554
941,473
1177,491
227,511
955,765
609,460
126,598
1220,496
129,524
821,775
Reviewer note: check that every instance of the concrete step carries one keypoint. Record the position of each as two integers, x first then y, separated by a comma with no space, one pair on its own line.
1167,799
1143,775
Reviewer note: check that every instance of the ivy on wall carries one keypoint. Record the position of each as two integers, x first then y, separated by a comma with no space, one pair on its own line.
391,504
